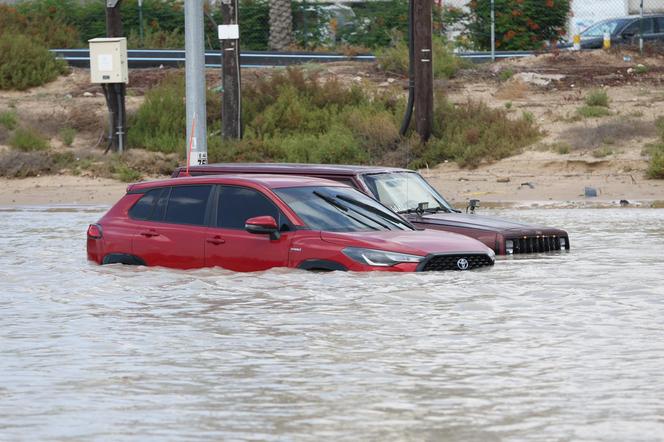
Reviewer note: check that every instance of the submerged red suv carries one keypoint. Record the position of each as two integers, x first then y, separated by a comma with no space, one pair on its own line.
407,193
249,223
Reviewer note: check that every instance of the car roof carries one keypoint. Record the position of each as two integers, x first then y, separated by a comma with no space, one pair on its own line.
276,168
270,181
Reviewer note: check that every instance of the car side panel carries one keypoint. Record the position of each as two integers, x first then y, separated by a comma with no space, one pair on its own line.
242,251
169,245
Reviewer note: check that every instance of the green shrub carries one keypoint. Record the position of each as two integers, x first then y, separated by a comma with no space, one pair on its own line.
520,24
593,111
473,133
125,173
603,152
25,64
562,148
67,135
656,164
506,74
597,97
160,122
395,59
40,25
28,140
8,120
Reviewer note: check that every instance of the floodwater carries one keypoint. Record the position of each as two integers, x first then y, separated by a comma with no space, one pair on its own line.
563,346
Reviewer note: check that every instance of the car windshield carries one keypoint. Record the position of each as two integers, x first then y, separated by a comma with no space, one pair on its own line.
403,192
599,29
340,209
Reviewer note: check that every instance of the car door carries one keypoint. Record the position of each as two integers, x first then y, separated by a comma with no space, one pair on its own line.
230,246
173,235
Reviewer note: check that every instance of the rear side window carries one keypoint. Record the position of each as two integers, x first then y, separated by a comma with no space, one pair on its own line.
187,204
238,204
635,28
143,208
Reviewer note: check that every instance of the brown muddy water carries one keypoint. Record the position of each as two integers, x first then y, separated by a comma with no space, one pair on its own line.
553,347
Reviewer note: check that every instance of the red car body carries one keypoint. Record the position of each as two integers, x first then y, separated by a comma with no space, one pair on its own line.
245,224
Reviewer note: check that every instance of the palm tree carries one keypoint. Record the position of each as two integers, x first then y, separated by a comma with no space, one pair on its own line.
281,25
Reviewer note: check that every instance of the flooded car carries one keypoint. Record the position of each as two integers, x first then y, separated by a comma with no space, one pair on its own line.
409,194
251,223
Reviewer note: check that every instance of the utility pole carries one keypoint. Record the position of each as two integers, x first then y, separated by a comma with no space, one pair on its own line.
229,36
423,68
115,92
195,82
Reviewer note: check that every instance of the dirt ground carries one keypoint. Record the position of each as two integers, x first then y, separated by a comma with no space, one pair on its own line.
603,153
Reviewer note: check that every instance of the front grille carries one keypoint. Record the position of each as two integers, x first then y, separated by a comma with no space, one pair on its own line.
536,244
452,262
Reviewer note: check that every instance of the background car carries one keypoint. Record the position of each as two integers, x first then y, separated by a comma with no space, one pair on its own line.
246,223
409,194
624,30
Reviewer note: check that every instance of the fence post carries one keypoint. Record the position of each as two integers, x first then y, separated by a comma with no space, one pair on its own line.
641,30
493,30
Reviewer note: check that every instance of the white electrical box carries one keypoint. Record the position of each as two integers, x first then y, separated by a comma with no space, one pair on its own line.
108,60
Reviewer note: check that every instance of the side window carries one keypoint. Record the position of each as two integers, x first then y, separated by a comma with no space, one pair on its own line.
660,24
635,28
144,206
238,204
187,204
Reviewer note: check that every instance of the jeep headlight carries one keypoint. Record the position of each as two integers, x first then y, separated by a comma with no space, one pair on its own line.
509,246
379,258
563,243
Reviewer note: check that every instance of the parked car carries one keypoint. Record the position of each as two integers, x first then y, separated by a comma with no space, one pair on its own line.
624,30
249,223
408,194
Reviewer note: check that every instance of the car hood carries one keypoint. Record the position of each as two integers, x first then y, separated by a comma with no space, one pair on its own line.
416,242
487,223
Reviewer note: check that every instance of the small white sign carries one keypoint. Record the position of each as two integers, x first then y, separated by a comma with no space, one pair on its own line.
229,32
105,62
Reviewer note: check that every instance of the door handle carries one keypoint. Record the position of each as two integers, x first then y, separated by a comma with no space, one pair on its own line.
149,233
216,240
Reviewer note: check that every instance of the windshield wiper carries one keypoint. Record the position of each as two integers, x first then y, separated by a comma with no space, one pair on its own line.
345,209
427,210
371,209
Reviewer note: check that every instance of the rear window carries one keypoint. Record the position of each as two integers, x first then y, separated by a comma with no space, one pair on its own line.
187,205
144,207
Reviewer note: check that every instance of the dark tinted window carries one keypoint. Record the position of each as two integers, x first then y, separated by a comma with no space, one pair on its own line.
143,208
160,206
186,205
635,28
238,204
660,22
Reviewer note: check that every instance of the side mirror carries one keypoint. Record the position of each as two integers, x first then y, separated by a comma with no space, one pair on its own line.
263,225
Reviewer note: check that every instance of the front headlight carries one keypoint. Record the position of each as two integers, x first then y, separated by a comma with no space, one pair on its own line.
563,243
379,258
509,246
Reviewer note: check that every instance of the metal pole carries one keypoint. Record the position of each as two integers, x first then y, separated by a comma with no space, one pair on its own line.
116,92
195,81
231,106
641,31
493,30
140,21
423,69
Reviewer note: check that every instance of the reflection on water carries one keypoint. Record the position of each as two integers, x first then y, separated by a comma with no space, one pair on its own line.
555,347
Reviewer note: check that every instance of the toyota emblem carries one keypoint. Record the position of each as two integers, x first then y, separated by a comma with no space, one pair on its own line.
462,264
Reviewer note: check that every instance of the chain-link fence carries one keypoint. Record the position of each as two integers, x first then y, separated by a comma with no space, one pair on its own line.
515,25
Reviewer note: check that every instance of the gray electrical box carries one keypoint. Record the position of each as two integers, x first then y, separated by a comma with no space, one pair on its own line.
108,60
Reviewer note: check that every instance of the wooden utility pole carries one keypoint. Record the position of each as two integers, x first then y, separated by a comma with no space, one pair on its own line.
423,68
115,92
231,107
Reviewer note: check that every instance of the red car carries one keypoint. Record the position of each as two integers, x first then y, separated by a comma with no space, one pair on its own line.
250,222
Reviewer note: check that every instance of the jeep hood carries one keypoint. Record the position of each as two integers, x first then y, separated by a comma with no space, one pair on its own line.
484,223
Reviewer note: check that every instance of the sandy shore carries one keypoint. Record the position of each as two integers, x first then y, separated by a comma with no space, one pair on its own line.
497,185
60,190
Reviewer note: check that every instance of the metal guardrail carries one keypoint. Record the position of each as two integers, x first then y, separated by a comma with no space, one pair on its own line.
145,58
